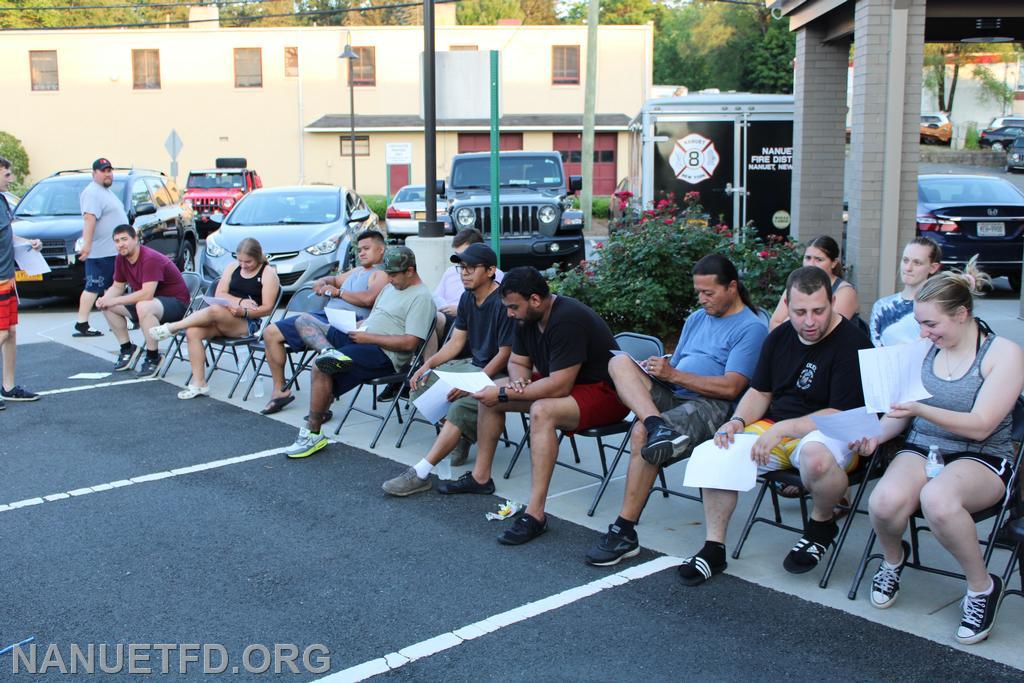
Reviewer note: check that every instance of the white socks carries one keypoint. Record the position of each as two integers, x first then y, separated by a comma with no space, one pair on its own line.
423,469
987,591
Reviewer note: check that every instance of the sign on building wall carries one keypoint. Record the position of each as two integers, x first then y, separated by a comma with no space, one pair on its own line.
398,153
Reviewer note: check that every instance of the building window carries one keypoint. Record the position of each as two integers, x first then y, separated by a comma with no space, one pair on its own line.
291,62
363,71
565,65
362,145
146,69
248,67
43,69
463,48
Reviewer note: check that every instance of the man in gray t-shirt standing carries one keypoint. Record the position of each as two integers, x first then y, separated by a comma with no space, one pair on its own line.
102,211
8,294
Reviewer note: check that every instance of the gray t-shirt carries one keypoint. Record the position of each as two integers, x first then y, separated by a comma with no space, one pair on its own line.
109,212
7,265
397,312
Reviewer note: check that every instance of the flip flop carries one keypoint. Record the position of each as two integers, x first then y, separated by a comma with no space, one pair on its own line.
87,333
276,404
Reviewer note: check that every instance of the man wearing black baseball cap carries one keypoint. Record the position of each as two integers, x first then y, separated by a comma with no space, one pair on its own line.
102,211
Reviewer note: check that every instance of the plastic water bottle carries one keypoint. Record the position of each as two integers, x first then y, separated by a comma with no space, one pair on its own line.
935,462
260,389
444,469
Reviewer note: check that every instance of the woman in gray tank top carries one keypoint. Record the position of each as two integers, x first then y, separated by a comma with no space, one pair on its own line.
975,378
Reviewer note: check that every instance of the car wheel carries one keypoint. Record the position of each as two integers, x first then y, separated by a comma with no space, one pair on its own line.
188,258
997,147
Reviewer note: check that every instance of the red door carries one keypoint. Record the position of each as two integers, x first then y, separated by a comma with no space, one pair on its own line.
481,142
398,177
570,145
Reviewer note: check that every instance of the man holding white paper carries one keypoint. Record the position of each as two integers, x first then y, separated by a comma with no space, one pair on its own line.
808,367
681,400
483,331
355,290
8,293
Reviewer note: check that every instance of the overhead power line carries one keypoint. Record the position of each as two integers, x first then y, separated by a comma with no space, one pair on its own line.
137,5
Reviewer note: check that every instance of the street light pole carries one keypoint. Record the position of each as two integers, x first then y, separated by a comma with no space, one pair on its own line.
349,54
430,227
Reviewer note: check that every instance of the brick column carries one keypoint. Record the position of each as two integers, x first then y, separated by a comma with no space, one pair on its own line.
819,125
884,155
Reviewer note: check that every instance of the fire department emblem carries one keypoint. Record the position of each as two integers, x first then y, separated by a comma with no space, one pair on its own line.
694,158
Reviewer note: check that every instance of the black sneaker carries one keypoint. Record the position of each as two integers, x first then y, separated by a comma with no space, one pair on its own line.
126,359
392,391
885,586
811,547
612,548
466,484
523,530
150,367
979,614
698,569
663,444
18,394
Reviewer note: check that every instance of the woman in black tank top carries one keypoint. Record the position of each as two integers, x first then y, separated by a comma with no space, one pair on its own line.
823,252
246,293
975,378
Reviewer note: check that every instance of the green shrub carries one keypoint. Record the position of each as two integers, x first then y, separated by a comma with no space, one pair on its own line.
642,282
377,203
971,137
599,207
12,150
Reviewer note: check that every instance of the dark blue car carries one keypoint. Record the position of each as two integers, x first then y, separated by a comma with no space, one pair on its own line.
972,214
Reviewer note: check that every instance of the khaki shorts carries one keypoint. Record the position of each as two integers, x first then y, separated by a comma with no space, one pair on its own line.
461,413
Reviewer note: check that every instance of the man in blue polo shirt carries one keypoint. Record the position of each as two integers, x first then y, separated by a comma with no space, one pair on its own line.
680,401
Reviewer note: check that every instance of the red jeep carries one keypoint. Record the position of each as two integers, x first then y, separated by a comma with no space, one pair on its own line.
217,190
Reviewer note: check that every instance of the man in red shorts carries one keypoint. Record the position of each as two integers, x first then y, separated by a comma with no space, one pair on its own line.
8,295
570,346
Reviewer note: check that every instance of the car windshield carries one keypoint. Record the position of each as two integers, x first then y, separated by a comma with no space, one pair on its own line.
59,197
411,194
283,208
968,191
1018,143
215,179
518,171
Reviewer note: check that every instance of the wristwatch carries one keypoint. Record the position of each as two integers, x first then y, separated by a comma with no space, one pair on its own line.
502,395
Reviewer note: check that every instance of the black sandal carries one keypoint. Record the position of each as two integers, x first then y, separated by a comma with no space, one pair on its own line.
276,404
87,332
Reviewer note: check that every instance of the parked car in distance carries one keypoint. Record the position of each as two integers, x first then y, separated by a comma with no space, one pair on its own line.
999,138
936,129
973,214
1001,121
539,227
306,231
1015,155
408,208
50,212
216,190
12,199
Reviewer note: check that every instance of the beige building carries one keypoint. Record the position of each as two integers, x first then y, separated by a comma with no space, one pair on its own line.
279,97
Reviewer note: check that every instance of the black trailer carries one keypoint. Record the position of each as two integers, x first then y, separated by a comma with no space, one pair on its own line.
735,149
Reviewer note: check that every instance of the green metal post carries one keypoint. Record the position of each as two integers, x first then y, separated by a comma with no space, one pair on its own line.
495,160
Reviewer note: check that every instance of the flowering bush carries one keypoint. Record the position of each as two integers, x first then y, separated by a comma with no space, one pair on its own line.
641,278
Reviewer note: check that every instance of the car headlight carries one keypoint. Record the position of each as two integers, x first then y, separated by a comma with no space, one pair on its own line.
547,215
213,249
465,217
228,203
1015,157
328,246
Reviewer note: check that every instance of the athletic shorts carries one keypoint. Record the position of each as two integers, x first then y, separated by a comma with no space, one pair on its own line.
786,455
174,310
599,405
99,274
697,417
8,305
1001,467
293,341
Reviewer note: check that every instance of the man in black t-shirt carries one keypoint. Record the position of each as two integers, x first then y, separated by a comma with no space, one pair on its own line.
481,340
808,367
570,346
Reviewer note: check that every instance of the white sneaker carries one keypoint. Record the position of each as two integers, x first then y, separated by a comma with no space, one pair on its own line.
191,391
160,333
306,444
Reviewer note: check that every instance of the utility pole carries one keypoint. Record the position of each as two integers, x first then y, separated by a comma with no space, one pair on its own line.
589,103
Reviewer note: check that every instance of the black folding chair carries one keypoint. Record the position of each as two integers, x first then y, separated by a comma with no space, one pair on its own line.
997,513
402,376
304,300
1016,561
194,283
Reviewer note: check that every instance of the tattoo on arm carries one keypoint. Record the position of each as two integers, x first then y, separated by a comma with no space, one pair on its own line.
311,332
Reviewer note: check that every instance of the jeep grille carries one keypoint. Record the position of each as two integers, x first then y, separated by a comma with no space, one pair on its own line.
516,221
54,252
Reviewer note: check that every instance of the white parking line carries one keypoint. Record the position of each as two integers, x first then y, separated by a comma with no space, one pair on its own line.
582,488
446,641
141,479
68,390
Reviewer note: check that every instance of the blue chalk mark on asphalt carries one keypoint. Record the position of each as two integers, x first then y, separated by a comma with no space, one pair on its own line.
14,645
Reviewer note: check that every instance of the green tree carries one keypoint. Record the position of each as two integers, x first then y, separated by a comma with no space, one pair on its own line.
770,67
538,12
487,12
12,150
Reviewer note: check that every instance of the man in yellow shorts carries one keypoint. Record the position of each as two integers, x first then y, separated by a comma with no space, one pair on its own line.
808,367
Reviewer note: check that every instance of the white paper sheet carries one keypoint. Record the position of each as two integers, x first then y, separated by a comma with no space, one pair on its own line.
90,375
467,381
30,260
433,403
892,374
849,425
730,469
341,319
212,300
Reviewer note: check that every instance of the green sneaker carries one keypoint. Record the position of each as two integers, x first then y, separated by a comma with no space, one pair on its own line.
332,361
306,444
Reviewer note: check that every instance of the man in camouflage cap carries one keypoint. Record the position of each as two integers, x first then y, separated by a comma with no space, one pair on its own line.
402,317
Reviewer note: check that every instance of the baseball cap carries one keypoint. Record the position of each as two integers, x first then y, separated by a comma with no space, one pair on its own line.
398,259
101,164
477,254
